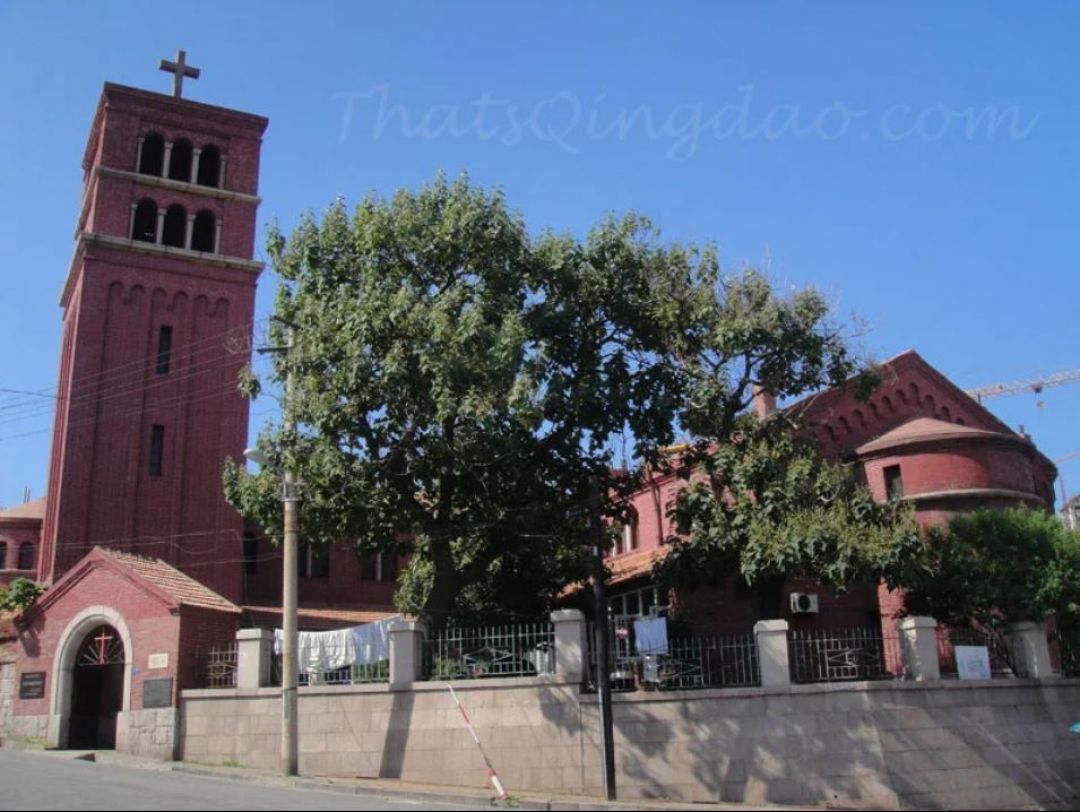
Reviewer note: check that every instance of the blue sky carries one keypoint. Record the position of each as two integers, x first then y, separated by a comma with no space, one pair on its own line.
918,163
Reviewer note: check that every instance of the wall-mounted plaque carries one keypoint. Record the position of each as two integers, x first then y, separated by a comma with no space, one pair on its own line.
158,660
157,693
32,685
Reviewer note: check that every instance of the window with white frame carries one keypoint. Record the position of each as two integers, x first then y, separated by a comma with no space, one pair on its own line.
312,563
379,567
646,602
627,538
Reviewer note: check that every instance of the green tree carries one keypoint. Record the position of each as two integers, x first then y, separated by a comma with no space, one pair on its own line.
458,382
19,594
767,505
999,567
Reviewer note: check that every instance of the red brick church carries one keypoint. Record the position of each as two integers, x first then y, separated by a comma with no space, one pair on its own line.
145,561
919,437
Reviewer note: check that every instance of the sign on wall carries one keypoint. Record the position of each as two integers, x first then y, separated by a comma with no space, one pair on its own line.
157,693
32,685
972,662
158,660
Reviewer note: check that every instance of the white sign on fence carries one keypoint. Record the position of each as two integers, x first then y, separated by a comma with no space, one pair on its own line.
972,662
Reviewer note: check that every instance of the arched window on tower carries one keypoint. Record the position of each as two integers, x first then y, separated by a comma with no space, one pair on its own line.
175,226
26,556
209,166
3,555
144,224
180,161
202,234
152,156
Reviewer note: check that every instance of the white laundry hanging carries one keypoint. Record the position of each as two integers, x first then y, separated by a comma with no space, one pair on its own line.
650,635
372,641
318,652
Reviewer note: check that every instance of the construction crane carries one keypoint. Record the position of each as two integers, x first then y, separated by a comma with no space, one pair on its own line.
1035,385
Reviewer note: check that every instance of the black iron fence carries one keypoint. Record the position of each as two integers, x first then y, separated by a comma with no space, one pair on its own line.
838,655
1002,658
509,650
1069,646
686,663
356,674
217,665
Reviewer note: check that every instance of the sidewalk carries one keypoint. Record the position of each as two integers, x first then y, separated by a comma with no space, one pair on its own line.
386,788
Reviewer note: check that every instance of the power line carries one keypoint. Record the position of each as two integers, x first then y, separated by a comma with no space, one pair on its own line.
125,373
164,406
134,388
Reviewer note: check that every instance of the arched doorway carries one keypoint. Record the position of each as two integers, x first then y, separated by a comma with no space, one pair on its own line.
97,689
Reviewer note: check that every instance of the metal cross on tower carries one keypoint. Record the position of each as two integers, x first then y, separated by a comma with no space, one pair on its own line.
179,69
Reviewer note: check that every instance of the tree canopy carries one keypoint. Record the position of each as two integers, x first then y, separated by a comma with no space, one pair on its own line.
766,504
458,381
999,567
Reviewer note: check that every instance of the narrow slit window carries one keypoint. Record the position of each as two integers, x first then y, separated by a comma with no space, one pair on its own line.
157,448
320,563
894,483
164,349
251,555
387,567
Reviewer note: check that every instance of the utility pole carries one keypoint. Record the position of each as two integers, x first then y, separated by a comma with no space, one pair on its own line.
603,640
290,727
290,669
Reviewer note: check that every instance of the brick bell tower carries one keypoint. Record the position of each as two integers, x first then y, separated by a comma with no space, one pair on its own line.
158,308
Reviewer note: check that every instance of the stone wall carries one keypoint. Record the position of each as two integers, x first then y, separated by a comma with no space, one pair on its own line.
149,733
945,744
7,692
419,735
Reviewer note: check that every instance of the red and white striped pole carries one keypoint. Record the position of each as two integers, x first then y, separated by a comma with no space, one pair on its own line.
495,782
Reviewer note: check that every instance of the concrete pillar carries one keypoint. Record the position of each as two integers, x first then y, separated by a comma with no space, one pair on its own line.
168,160
160,226
406,653
217,237
254,650
138,155
918,639
195,153
1030,650
221,171
189,228
570,645
131,236
772,646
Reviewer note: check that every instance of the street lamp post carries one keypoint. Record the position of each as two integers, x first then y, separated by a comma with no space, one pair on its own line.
602,642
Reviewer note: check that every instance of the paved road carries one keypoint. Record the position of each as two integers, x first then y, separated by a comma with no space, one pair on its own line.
50,781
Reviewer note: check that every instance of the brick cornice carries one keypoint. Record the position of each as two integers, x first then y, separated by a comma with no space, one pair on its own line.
176,185
974,493
87,238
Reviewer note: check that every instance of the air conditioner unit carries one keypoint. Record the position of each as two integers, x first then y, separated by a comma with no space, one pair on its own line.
803,603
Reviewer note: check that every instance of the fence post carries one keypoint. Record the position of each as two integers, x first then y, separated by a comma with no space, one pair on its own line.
406,653
918,636
772,646
569,644
1030,649
253,650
